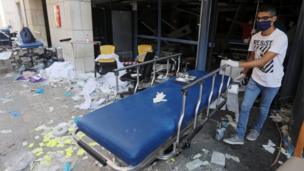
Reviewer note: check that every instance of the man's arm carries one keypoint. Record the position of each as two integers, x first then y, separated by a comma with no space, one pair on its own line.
259,62
250,58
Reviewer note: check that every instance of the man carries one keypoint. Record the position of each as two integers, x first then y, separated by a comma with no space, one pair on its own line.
267,52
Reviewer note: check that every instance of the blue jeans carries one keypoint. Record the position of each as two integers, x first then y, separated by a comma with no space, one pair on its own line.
253,89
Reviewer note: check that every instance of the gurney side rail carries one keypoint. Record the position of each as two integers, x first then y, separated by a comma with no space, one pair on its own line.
200,81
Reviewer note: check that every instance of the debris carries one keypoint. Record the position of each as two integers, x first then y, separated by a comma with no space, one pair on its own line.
288,155
41,127
5,55
24,143
85,157
160,97
36,137
80,152
218,158
51,108
6,100
234,158
270,146
205,151
76,98
197,156
88,88
221,128
60,71
20,162
280,162
194,164
67,166
39,91
31,145
68,94
15,113
61,129
6,131
1,112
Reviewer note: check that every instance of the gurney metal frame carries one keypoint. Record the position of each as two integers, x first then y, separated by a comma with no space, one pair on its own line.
182,135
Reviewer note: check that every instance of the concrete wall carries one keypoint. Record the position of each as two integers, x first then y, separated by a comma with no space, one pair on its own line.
9,14
76,23
35,18
30,15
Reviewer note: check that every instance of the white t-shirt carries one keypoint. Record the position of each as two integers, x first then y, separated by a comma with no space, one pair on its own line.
271,74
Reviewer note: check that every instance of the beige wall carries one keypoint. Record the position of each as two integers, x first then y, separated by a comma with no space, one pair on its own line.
76,23
30,15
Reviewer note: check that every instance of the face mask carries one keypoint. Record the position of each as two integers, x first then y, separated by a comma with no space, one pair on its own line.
263,25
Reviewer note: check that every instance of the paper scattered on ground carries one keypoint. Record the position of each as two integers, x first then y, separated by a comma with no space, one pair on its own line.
218,158
5,55
6,131
160,97
205,151
194,164
270,147
197,156
20,161
234,158
60,71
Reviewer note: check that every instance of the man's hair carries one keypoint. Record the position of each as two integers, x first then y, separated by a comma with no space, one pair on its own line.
268,8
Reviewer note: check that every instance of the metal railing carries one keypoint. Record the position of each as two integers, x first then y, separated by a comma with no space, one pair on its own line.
200,81
154,62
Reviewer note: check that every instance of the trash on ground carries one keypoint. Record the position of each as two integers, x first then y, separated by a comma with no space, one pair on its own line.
20,161
218,158
39,90
68,94
5,55
270,147
205,151
160,97
51,108
60,71
197,156
15,113
234,158
61,129
194,164
6,131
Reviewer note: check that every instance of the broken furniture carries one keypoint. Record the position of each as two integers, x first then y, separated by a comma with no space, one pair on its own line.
296,163
144,72
143,50
136,131
106,61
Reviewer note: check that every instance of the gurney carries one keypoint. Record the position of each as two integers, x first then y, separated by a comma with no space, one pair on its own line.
134,131
29,50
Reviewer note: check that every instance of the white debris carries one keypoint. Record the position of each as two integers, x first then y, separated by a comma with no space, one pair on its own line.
60,71
205,151
234,158
197,156
280,162
36,137
41,127
51,108
160,97
61,129
270,147
194,164
24,143
76,98
5,55
285,153
1,112
6,131
20,162
88,88
218,158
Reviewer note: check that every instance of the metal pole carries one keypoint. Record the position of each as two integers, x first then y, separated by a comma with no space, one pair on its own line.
137,79
210,95
159,16
198,104
135,29
203,37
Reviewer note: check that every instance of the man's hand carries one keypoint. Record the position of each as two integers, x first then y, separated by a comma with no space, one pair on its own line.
232,63
239,78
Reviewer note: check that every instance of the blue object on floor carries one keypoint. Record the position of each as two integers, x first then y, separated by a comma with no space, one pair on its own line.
68,94
132,128
39,90
15,113
67,166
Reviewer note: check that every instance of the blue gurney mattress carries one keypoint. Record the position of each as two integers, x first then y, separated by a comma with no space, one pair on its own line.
134,127
35,44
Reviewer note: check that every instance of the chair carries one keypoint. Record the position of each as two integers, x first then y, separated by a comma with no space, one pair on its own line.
143,49
144,71
106,61
296,163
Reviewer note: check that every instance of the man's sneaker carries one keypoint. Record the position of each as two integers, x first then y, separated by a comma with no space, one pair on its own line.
253,135
234,140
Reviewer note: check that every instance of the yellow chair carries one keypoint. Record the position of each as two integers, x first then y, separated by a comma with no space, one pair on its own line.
103,66
143,49
107,50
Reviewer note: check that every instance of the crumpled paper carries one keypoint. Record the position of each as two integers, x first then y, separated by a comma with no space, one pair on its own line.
160,97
